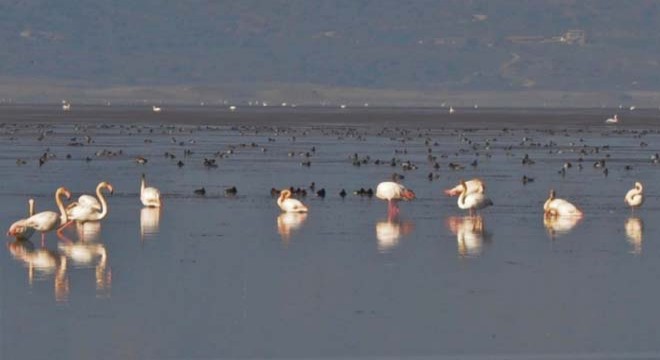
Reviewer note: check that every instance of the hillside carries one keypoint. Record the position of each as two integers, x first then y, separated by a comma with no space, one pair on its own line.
592,46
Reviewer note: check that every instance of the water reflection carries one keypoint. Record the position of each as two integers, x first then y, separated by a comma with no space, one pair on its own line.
87,252
634,233
559,225
289,222
149,222
89,231
470,234
389,232
41,264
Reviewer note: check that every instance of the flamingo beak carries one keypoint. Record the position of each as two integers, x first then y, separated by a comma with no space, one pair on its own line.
409,195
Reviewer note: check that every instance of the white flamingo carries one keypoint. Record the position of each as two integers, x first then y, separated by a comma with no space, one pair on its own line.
559,207
612,120
46,220
150,196
473,185
18,228
393,192
287,204
635,196
81,212
473,201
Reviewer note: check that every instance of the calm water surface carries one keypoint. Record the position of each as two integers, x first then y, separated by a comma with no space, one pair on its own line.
219,276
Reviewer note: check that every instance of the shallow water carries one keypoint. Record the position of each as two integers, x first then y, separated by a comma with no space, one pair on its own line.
219,276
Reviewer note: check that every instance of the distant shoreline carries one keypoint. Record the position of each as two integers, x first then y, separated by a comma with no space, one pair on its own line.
42,92
418,117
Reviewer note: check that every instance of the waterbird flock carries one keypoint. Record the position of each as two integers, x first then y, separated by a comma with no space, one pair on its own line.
471,197
471,193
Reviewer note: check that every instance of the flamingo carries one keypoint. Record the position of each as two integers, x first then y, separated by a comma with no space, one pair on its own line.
612,120
635,196
393,192
287,204
150,196
559,207
46,220
88,200
18,228
473,201
474,185
81,213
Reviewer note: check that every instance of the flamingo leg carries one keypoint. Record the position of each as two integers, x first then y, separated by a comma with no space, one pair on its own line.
43,239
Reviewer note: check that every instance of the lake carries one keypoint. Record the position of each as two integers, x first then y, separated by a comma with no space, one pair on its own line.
229,276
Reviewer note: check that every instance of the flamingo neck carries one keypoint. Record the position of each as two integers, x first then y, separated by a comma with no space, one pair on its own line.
281,199
104,204
142,185
58,200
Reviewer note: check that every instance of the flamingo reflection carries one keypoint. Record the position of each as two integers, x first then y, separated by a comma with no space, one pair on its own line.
42,263
634,234
89,231
470,234
560,225
149,222
86,254
288,222
389,232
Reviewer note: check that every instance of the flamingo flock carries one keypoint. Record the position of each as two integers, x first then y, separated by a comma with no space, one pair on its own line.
471,197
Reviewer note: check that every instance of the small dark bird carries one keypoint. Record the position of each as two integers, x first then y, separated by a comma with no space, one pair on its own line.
180,163
321,193
312,186
274,192
526,179
201,191
231,191
210,163
527,161
342,193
